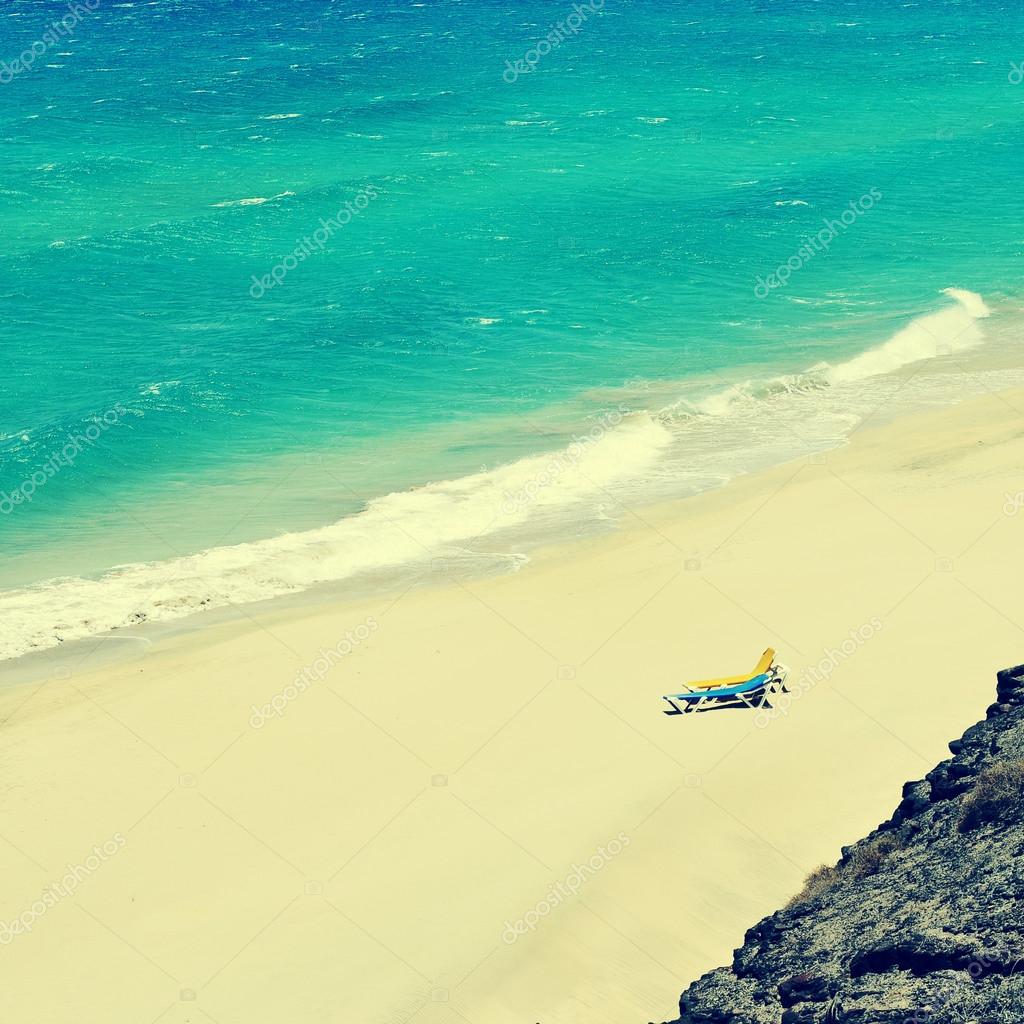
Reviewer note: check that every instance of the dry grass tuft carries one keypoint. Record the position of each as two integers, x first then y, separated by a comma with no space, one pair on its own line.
821,880
868,859
998,795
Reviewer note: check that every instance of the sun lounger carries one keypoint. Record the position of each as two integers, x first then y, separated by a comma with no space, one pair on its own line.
746,691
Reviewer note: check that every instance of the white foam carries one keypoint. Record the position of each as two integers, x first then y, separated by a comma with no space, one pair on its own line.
971,301
398,529
252,200
937,334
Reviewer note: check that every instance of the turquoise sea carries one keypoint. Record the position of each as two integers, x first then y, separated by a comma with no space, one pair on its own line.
302,294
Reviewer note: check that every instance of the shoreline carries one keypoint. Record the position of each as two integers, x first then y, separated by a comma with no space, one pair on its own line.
135,642
661,442
368,845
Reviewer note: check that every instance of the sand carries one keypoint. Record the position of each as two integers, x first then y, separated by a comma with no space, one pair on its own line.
490,758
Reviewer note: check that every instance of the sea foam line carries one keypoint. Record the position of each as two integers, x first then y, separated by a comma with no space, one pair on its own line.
439,519
403,528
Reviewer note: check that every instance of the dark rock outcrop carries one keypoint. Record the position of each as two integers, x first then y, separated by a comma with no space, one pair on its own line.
921,922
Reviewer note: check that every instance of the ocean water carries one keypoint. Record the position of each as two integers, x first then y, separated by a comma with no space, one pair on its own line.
313,293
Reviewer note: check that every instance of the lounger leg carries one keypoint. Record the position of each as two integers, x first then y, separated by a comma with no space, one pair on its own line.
781,677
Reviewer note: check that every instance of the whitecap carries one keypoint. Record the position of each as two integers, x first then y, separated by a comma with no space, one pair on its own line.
157,387
252,200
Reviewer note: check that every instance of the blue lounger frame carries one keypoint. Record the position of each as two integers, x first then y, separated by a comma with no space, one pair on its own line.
753,693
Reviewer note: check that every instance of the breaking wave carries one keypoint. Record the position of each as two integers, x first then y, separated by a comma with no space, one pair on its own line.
945,332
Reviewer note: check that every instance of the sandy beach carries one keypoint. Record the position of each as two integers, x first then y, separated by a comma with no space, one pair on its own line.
464,803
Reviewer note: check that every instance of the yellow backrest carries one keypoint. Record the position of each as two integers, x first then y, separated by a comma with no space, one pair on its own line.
762,666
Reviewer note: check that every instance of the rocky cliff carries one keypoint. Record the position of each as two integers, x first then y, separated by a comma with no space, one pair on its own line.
919,923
